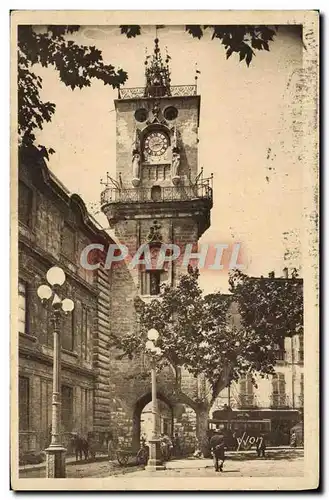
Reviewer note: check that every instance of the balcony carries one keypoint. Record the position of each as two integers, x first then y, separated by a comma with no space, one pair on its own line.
175,91
156,194
279,401
247,401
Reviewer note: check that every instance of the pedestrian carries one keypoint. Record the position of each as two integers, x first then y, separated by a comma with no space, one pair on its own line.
293,440
197,449
165,446
261,446
217,447
176,445
110,446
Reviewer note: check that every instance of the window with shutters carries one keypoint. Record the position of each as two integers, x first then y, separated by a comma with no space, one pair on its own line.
85,332
67,408
23,324
151,281
301,394
301,349
68,331
68,242
247,392
23,403
279,349
279,398
25,199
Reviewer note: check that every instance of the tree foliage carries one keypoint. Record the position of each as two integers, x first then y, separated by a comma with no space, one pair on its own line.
77,65
201,334
239,39
271,306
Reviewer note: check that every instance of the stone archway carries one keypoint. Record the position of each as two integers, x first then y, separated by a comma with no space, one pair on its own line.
141,403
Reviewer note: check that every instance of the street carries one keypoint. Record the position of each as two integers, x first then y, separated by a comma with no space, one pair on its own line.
279,463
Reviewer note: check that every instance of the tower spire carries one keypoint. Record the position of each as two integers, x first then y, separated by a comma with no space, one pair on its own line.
157,73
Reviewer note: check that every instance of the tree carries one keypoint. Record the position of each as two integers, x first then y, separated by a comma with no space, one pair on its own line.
77,65
243,40
198,333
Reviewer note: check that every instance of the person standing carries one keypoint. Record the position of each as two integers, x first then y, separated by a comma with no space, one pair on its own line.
176,445
217,447
261,446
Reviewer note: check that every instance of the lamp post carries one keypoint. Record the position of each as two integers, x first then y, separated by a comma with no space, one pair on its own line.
155,459
55,453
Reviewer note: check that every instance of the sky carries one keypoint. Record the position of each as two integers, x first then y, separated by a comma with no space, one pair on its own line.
249,136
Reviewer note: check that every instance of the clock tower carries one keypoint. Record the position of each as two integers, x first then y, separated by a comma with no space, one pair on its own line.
159,195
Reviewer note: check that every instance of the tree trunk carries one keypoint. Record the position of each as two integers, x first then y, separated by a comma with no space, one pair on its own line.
202,417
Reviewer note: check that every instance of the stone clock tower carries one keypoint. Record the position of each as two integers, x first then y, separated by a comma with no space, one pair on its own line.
158,194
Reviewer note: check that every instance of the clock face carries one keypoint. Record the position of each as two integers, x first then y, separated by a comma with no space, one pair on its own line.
156,144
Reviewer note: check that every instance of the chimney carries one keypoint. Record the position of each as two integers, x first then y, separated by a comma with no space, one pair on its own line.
285,273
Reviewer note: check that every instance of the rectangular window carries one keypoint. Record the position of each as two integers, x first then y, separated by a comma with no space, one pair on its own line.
68,332
25,198
67,408
23,403
278,390
68,242
301,348
84,331
301,395
246,391
151,282
279,349
22,307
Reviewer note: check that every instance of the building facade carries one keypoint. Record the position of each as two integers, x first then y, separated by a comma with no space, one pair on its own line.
53,229
278,398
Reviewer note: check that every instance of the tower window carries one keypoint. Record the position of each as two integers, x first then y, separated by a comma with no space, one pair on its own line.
156,194
141,115
151,282
170,113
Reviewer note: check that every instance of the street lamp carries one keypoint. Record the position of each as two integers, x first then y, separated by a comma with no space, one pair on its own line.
55,453
155,459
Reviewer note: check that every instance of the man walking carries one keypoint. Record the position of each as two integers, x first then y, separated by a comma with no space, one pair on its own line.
261,446
217,447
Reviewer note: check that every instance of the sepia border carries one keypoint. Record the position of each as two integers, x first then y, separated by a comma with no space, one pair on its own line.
310,164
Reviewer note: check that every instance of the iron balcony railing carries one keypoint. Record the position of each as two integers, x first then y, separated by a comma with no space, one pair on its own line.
157,193
280,354
247,401
175,91
279,401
